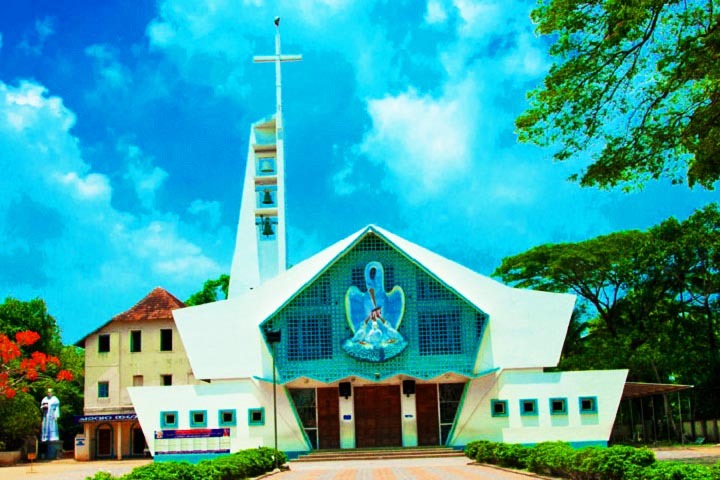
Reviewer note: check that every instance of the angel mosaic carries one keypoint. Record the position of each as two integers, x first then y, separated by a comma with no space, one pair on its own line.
374,316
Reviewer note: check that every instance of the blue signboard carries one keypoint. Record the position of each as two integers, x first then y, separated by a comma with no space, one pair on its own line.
119,417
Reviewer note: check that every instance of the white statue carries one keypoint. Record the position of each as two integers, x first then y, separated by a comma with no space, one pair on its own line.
50,406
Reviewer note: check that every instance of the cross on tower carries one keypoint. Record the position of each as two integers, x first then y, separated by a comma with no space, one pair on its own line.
278,58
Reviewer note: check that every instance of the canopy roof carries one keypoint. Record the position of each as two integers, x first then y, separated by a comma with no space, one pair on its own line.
640,390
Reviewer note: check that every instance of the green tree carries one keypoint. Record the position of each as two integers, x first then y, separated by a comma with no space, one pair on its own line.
212,291
648,301
19,419
635,85
21,316
18,316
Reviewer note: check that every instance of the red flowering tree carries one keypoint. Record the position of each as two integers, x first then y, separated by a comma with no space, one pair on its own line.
33,357
18,368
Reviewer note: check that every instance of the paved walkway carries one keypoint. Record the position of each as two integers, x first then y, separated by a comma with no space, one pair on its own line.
450,468
68,469
454,468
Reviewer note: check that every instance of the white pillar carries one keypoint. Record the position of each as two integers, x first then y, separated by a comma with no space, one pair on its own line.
347,422
409,420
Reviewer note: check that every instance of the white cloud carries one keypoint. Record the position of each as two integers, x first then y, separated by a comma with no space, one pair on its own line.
424,142
92,186
112,74
435,12
61,232
34,42
526,58
206,211
145,177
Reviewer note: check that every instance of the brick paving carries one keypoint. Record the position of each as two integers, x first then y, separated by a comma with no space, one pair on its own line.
452,468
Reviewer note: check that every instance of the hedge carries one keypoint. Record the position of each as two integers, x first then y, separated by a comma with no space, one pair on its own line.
242,464
559,459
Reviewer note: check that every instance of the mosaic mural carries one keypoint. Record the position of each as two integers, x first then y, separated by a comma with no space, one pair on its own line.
374,317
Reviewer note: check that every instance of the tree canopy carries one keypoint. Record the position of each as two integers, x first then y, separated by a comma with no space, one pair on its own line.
212,291
648,300
33,358
635,86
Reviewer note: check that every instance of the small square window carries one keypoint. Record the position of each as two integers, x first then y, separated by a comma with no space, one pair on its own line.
588,404
104,343
137,381
227,418
499,408
103,389
166,340
528,407
198,418
135,341
256,416
165,380
169,419
558,406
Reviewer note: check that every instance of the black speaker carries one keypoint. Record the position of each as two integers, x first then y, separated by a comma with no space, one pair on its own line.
408,387
345,389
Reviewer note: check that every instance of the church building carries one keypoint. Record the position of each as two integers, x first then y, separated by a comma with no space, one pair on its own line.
374,341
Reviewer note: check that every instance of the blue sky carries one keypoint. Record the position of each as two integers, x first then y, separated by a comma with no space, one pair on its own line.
124,126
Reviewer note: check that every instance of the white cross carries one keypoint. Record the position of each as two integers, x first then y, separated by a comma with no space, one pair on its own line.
278,59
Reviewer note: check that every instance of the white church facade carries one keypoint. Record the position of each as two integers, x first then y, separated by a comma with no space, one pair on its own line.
375,341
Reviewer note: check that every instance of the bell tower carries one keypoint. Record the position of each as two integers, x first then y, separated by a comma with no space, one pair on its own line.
260,245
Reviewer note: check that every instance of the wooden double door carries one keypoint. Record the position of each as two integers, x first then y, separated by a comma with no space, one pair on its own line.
378,416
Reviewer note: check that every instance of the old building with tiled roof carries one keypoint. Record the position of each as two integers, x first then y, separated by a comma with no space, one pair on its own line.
139,346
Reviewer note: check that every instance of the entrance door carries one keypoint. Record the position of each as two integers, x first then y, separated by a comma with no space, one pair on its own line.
377,416
103,435
426,408
328,404
138,441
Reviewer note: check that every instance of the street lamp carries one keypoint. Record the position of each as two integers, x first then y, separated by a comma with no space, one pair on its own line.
273,337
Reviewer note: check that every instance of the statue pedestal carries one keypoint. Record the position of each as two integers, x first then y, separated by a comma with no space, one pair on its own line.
54,450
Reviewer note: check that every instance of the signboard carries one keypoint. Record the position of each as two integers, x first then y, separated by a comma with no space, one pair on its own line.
192,441
118,417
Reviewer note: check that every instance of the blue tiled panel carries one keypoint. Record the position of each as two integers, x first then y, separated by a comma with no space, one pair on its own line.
443,330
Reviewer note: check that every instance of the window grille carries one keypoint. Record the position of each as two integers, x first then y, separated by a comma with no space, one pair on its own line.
318,293
430,289
480,319
304,400
439,333
372,243
309,336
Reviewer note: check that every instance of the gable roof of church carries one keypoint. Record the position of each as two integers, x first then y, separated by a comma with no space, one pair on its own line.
530,325
156,305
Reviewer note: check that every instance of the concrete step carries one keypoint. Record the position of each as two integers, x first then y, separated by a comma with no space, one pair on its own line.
378,454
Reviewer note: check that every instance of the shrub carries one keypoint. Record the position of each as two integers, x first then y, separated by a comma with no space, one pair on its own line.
472,448
618,462
676,471
511,455
101,476
163,471
715,470
551,458
485,452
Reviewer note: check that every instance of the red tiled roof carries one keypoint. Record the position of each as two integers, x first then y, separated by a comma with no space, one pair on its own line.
157,305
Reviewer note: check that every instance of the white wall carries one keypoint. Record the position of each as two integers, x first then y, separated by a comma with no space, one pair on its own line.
241,395
475,421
